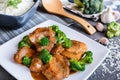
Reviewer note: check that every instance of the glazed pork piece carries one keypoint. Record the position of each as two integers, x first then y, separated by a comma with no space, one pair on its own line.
36,65
76,51
24,51
57,68
38,34
57,49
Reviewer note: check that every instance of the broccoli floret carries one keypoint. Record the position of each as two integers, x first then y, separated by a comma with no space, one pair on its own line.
101,6
26,38
117,33
88,57
24,42
90,6
80,65
45,56
60,36
95,6
67,43
55,28
113,29
109,34
26,61
77,65
44,41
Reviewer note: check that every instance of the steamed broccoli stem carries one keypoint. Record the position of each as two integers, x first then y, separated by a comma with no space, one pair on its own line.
24,42
67,43
45,56
26,61
88,57
44,41
77,66
82,65
55,28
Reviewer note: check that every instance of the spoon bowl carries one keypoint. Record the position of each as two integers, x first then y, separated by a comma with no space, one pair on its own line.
49,4
55,6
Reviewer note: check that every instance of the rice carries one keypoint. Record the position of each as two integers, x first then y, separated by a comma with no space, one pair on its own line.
22,7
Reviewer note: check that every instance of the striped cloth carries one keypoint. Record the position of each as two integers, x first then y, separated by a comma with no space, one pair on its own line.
6,35
36,19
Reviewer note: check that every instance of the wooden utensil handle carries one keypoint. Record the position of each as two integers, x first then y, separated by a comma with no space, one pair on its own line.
88,27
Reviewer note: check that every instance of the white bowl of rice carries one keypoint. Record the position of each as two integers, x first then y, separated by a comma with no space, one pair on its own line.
21,8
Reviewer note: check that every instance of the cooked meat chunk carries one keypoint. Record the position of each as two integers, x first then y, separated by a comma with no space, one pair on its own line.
76,51
57,49
38,34
24,51
36,65
57,68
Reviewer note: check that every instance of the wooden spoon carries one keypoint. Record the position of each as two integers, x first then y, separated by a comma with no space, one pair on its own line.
55,6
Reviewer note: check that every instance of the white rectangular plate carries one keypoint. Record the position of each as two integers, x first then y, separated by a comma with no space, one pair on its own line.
8,49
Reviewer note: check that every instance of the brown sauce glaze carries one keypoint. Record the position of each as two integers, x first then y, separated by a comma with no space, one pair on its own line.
38,76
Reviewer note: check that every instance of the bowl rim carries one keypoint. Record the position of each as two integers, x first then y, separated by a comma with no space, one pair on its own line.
36,3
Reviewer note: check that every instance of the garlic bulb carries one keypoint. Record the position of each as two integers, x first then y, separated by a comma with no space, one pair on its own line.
107,16
99,26
116,15
104,41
